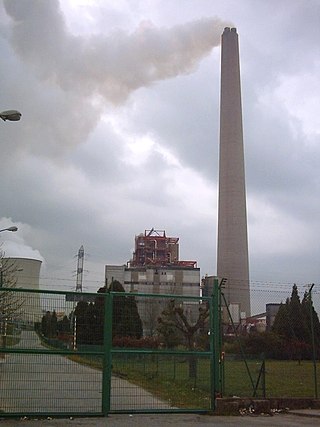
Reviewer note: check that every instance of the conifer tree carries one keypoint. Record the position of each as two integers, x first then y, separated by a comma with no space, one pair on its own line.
311,315
293,320
126,321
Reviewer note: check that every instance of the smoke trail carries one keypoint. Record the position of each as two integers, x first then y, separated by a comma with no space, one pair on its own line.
14,244
112,66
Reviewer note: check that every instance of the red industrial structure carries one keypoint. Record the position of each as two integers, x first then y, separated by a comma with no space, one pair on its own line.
154,248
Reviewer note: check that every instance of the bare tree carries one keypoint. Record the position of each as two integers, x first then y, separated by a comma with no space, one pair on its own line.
174,317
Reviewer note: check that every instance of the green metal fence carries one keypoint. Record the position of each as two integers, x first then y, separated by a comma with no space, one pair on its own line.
37,373
89,354
281,361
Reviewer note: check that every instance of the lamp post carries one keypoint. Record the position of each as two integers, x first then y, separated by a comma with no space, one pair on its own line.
12,228
3,335
11,115
3,339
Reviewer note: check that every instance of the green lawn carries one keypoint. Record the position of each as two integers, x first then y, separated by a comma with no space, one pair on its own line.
291,379
12,336
168,378
283,378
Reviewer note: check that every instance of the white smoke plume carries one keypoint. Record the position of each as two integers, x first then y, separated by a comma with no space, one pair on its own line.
109,66
14,244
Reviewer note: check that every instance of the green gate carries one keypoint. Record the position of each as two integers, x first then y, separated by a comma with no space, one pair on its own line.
91,354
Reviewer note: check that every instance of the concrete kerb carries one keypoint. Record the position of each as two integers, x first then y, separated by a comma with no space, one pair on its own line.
243,406
313,413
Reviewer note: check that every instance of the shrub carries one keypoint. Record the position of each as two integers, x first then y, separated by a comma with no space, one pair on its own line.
130,342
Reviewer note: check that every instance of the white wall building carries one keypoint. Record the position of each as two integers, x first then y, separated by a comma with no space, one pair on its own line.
184,281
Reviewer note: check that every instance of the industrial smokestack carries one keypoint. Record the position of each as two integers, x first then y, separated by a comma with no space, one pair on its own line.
232,253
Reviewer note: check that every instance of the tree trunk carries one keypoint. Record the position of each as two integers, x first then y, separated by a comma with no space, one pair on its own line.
192,359
193,367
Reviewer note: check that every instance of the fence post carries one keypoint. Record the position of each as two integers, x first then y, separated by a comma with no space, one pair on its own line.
107,357
264,377
212,359
313,344
215,343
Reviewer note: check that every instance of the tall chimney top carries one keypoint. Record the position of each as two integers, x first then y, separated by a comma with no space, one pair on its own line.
230,30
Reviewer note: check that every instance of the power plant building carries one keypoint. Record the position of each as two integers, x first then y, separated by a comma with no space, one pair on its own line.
155,268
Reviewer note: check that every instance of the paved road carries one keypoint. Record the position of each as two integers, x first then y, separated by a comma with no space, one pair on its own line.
165,420
53,383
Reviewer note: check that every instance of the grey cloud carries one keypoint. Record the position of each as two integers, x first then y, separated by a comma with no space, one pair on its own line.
63,83
184,115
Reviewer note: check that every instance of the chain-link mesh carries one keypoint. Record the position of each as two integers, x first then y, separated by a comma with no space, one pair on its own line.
77,353
275,351
38,371
160,343
95,353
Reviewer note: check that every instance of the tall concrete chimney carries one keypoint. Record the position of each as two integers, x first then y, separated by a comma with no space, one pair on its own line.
232,253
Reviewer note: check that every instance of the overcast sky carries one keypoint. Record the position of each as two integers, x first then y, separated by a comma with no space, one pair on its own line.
120,128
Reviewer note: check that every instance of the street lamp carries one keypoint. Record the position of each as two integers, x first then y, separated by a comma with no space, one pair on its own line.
12,228
11,115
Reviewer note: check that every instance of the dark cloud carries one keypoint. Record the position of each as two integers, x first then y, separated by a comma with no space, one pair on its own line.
120,129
